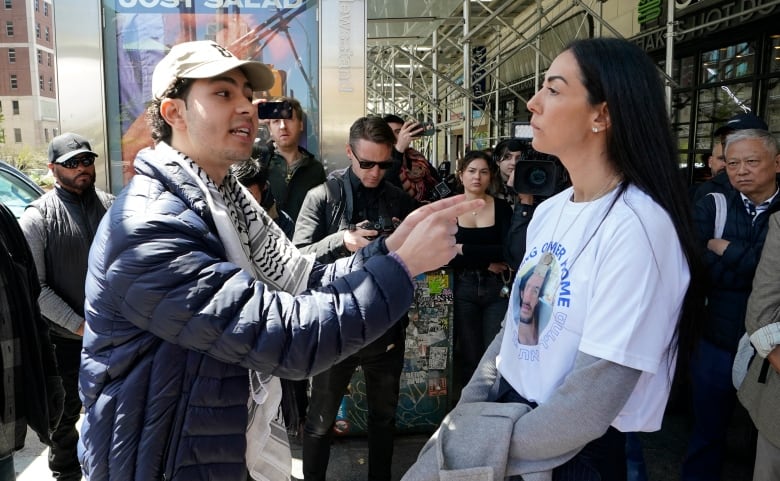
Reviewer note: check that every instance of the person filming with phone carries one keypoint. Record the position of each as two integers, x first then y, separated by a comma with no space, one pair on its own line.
292,170
411,170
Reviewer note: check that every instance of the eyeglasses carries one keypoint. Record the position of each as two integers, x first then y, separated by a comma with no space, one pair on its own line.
73,162
370,164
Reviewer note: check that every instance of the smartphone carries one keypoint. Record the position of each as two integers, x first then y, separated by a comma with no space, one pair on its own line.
429,129
274,110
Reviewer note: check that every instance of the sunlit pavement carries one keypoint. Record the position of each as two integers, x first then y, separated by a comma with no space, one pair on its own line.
349,456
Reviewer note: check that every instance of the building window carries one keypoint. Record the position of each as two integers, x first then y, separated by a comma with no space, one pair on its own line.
40,57
8,4
48,59
47,34
18,136
36,5
15,107
9,28
11,55
14,83
51,84
38,30
45,131
40,82
45,9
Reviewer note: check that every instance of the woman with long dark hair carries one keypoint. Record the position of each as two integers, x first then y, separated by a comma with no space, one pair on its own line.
480,268
619,253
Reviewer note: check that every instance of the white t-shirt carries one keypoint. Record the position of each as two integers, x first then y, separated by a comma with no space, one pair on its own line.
613,286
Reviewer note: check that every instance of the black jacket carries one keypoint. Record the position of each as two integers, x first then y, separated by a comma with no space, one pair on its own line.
730,275
67,225
290,188
719,183
38,393
327,212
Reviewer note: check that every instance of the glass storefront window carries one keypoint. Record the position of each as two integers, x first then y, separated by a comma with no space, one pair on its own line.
774,61
728,63
715,106
139,34
683,71
772,116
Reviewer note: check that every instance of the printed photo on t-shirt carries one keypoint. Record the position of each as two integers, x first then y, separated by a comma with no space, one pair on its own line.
534,298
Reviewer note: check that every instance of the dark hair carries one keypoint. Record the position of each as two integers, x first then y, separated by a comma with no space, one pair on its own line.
392,118
507,145
521,287
373,129
295,104
250,172
161,130
641,147
470,157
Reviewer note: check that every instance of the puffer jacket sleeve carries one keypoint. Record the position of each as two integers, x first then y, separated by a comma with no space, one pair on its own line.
166,274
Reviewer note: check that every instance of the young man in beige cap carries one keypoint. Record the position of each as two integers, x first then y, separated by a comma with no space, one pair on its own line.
196,299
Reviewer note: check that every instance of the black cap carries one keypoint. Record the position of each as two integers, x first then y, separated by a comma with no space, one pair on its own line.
67,145
741,122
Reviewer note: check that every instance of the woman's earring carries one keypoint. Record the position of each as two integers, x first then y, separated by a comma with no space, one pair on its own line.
595,130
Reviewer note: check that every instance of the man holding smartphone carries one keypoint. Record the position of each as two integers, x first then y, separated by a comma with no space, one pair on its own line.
411,170
292,170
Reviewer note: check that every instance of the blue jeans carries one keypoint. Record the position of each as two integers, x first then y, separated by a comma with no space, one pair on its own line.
7,470
478,310
382,371
635,458
713,396
603,459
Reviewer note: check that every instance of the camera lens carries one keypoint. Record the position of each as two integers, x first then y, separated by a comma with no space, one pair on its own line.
536,177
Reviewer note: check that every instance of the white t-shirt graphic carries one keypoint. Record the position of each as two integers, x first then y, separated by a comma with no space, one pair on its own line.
609,282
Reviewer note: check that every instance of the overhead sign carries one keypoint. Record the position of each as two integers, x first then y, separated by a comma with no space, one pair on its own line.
690,14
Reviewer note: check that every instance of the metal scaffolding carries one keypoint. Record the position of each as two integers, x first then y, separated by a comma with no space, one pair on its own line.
419,62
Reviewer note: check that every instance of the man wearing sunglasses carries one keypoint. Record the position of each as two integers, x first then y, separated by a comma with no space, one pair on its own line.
338,218
60,226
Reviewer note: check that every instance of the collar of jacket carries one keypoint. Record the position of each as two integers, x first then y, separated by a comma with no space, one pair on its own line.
154,163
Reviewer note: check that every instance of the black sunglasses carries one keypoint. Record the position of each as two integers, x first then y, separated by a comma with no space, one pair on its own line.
370,164
73,162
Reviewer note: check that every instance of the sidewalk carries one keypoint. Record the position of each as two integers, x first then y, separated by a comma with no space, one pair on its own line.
349,456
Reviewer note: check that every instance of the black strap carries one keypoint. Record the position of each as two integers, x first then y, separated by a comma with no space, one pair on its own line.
764,372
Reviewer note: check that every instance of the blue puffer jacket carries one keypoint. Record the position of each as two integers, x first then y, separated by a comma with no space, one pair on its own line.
172,328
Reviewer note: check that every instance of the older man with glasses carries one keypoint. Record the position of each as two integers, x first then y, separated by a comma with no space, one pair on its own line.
60,226
338,218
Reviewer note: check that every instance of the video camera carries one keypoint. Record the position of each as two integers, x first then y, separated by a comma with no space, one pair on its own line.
536,173
382,225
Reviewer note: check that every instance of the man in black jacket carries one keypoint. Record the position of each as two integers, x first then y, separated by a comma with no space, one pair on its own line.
31,391
338,218
60,226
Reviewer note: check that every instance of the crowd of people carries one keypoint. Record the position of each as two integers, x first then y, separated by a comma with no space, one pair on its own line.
186,315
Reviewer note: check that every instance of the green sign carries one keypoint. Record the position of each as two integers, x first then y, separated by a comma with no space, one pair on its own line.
648,10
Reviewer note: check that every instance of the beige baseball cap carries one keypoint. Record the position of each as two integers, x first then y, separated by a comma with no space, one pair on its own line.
205,59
